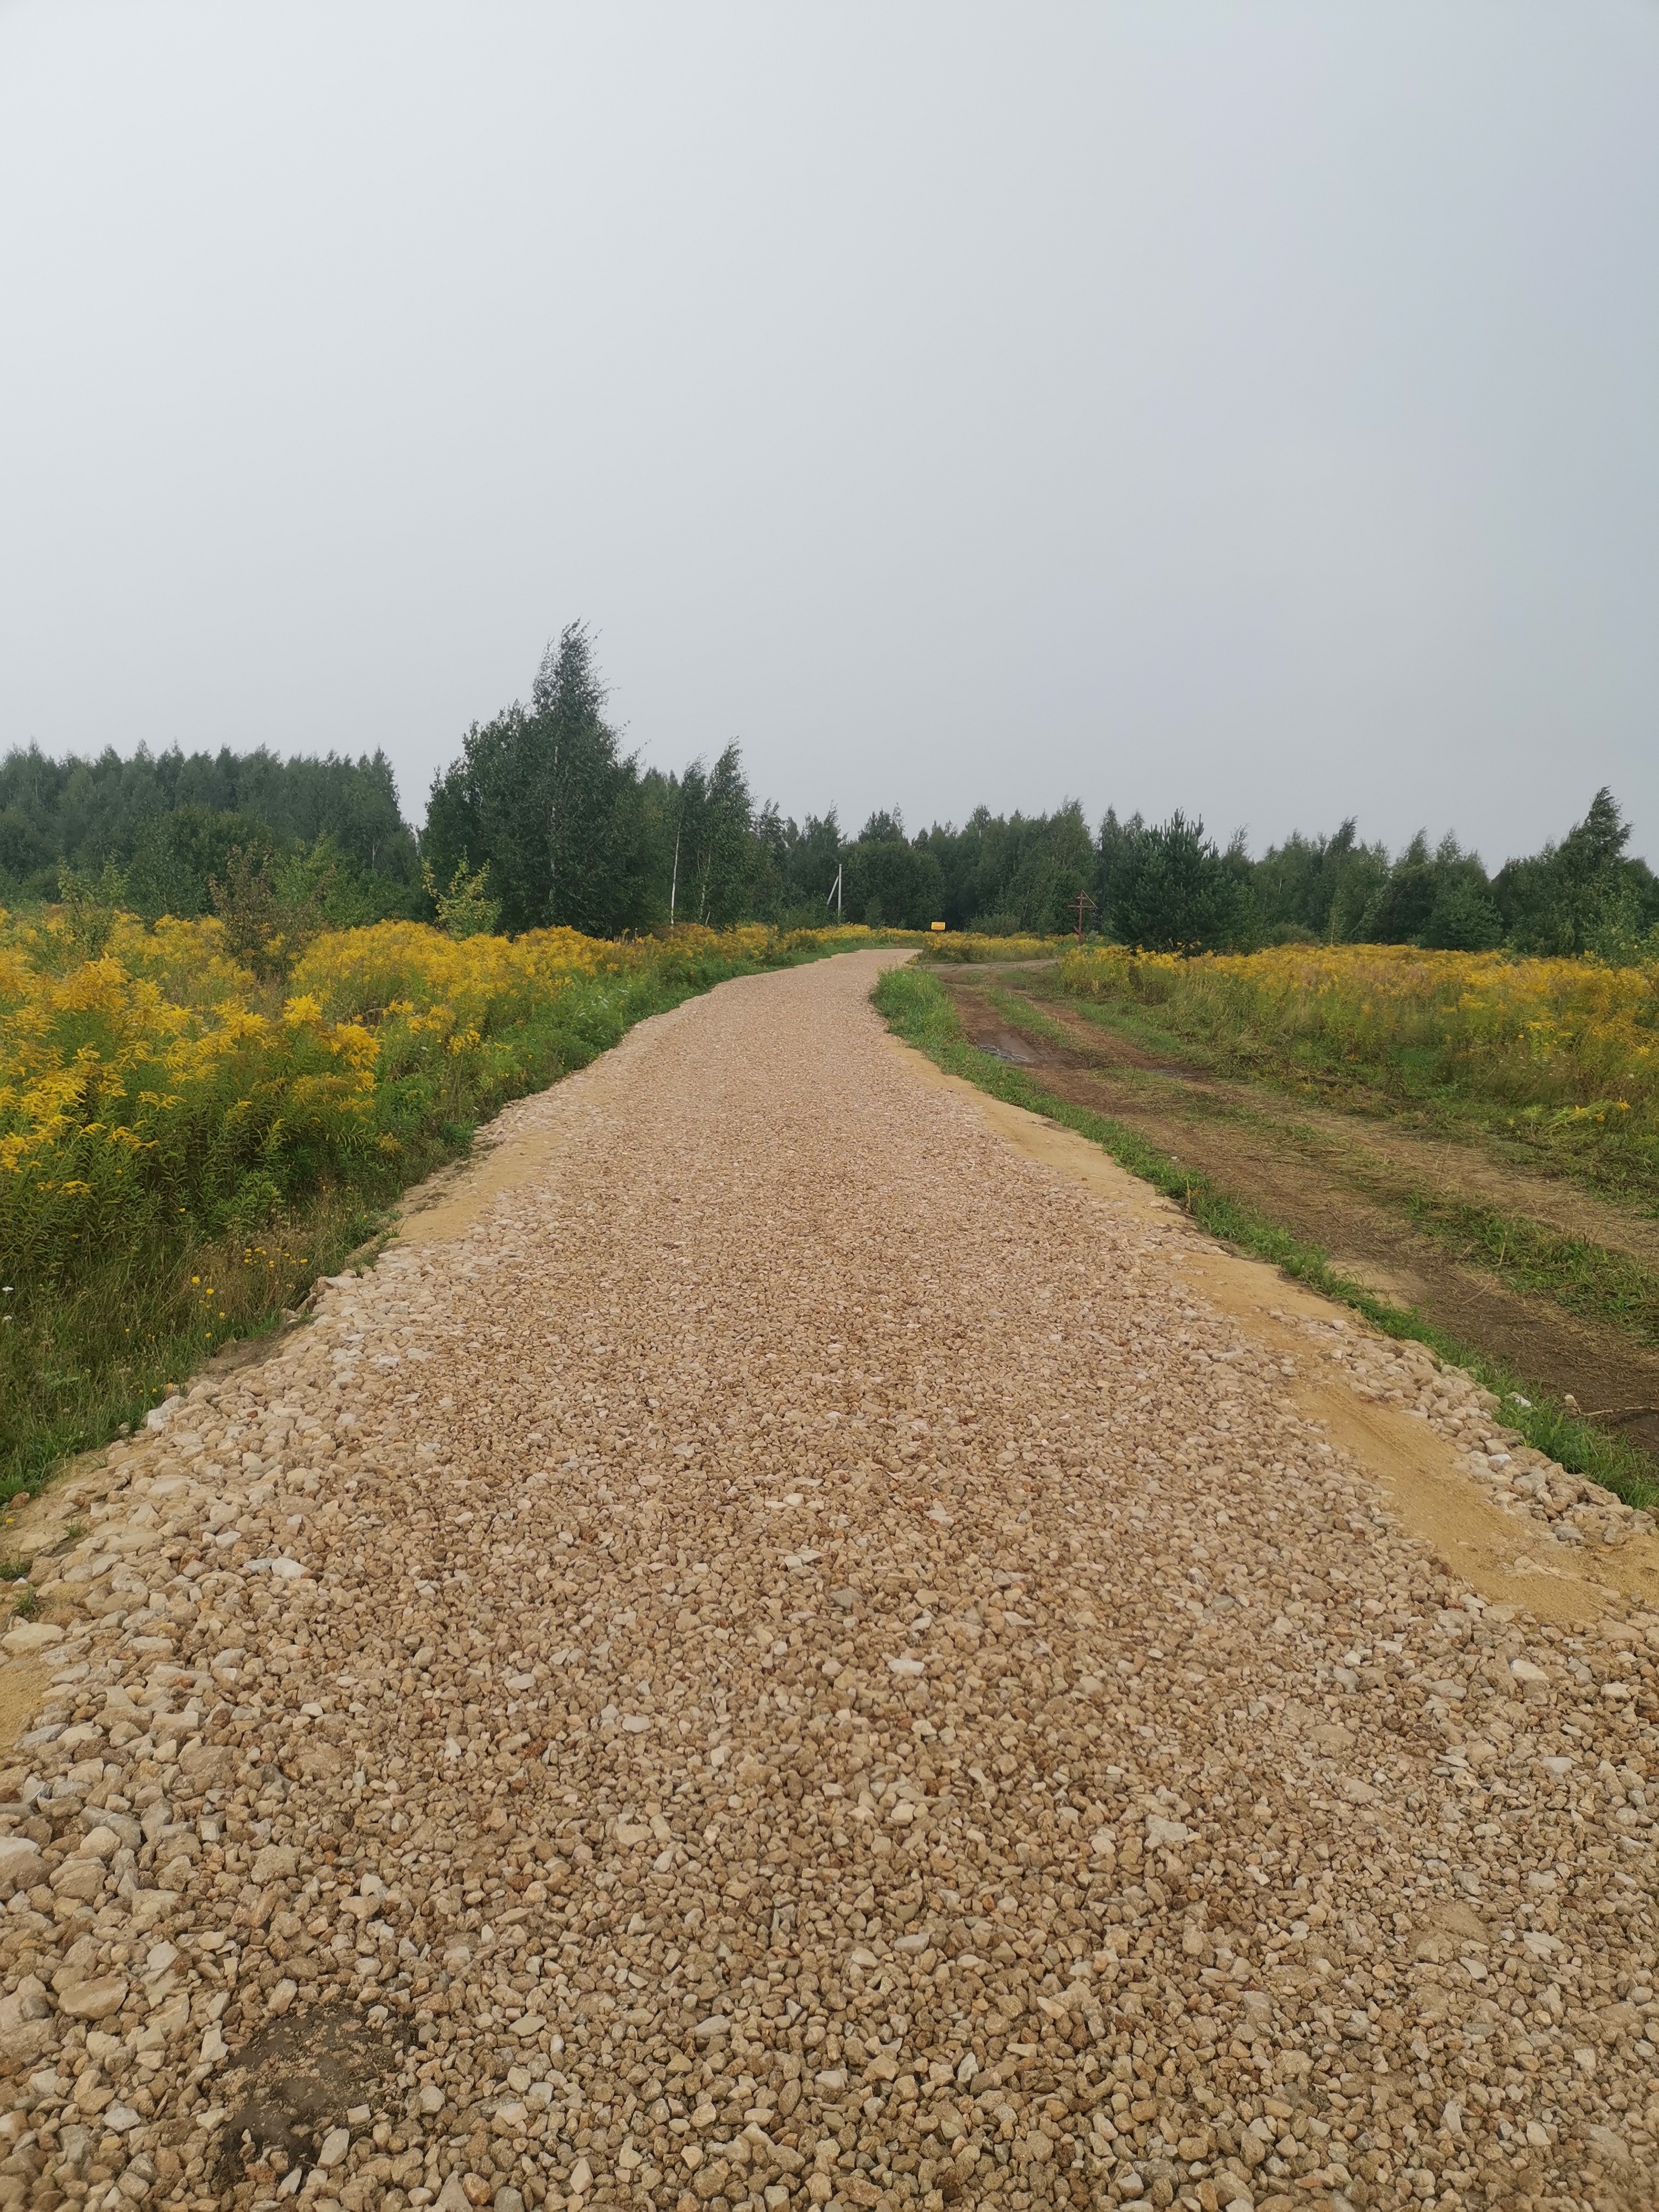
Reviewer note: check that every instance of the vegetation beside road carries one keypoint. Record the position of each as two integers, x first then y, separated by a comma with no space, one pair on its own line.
1562,1055
188,1138
1601,1284
918,1008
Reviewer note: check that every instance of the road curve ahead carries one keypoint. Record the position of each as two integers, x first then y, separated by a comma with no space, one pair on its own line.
787,1659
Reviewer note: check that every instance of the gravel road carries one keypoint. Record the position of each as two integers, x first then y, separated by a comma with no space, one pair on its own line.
793,1660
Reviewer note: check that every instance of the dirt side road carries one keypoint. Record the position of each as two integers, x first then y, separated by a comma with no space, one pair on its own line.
1350,1184
785,1651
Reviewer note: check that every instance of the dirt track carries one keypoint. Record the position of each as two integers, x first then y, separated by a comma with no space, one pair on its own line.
1350,1183
781,1649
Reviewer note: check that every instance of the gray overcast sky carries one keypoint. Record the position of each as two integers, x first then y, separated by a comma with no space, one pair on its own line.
1253,408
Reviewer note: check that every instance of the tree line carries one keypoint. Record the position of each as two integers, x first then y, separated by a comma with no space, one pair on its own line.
545,819
155,832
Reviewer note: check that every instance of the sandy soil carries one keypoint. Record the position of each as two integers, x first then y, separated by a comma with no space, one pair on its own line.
795,1643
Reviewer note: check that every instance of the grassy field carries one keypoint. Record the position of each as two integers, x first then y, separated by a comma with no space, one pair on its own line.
1560,1056
968,946
919,1008
183,1149
1581,1276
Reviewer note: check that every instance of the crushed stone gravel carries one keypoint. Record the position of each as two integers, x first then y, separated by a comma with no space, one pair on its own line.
797,1663
1520,1479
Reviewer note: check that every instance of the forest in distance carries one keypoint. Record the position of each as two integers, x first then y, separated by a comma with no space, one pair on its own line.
544,819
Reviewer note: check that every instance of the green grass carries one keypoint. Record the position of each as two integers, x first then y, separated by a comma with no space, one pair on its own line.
917,1007
1019,1013
1581,1276
84,1362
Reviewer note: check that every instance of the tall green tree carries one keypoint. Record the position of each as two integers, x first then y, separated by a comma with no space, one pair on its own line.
1558,901
1318,887
718,858
1031,868
1169,888
545,797
890,882
153,817
586,792
799,870
1439,899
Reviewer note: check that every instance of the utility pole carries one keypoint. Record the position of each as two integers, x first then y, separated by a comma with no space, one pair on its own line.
1083,900
835,893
